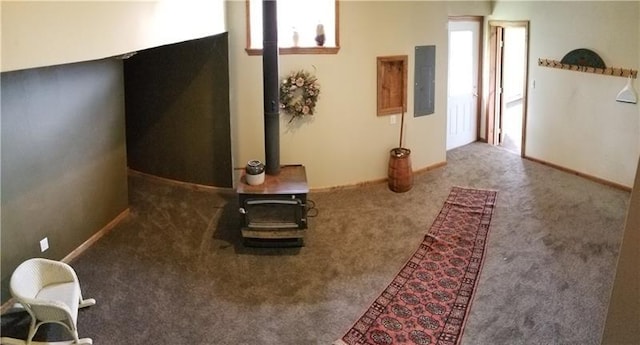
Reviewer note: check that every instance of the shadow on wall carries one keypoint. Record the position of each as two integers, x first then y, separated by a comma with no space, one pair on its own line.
177,111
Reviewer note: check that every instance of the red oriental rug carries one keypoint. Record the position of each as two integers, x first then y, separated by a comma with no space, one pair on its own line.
429,300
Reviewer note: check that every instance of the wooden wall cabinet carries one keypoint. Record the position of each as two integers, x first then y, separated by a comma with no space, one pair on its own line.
392,84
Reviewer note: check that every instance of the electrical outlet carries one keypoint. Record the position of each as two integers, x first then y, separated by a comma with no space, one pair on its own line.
392,120
44,244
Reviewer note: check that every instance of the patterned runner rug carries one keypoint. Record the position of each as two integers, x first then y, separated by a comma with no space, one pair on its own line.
429,300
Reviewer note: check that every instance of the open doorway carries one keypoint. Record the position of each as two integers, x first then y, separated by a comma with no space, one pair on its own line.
508,61
463,81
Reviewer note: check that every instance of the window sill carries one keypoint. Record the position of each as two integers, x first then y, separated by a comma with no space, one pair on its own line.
297,50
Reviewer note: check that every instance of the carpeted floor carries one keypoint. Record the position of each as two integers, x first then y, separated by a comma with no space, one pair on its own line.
175,271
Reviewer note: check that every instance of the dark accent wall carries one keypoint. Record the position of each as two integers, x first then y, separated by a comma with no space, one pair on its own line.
177,111
63,160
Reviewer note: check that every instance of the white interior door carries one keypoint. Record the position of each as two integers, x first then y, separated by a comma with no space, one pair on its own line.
513,72
462,100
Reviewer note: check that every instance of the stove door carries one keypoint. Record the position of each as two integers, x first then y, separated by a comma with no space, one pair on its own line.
274,214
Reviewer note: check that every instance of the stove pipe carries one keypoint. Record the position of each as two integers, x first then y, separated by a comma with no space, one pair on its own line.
271,86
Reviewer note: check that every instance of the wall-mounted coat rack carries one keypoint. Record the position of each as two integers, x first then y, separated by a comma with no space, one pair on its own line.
612,71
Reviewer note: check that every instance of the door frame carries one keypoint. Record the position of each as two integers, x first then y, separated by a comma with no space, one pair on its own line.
480,20
495,101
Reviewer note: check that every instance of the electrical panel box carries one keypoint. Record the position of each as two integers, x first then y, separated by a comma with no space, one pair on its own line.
425,81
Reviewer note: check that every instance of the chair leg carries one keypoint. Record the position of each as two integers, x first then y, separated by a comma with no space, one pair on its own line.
78,341
33,328
82,303
32,332
86,302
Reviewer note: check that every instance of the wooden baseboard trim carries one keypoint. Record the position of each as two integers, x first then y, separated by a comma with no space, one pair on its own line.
376,181
80,249
189,185
95,237
583,175
430,167
348,186
200,187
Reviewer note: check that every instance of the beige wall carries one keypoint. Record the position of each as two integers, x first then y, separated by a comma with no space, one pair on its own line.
573,118
44,33
470,8
345,142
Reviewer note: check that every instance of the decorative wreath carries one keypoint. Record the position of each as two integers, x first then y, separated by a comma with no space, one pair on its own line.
299,94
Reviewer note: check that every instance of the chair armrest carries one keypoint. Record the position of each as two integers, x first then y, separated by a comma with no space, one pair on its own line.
49,309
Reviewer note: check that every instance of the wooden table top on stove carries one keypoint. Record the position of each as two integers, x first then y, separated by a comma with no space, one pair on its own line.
292,179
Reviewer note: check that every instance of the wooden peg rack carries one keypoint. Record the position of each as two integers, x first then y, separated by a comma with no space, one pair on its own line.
612,71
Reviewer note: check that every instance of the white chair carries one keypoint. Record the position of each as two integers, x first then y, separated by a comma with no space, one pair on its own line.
50,292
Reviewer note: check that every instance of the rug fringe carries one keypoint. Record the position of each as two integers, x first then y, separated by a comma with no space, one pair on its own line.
475,188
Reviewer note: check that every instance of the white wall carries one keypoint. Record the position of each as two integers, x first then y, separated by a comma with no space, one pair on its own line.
345,142
43,33
573,118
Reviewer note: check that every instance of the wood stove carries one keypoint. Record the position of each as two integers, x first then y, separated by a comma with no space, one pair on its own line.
274,213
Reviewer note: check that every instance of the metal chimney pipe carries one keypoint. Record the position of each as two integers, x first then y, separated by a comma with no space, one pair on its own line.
271,87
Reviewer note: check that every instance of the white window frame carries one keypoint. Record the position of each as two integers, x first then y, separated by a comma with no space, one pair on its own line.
332,46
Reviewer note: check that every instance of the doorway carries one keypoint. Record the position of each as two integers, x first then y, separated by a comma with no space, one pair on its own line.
506,116
463,81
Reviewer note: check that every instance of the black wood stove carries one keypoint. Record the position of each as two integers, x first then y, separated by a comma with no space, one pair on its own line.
274,213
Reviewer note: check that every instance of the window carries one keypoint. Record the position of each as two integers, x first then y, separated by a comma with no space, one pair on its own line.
295,16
